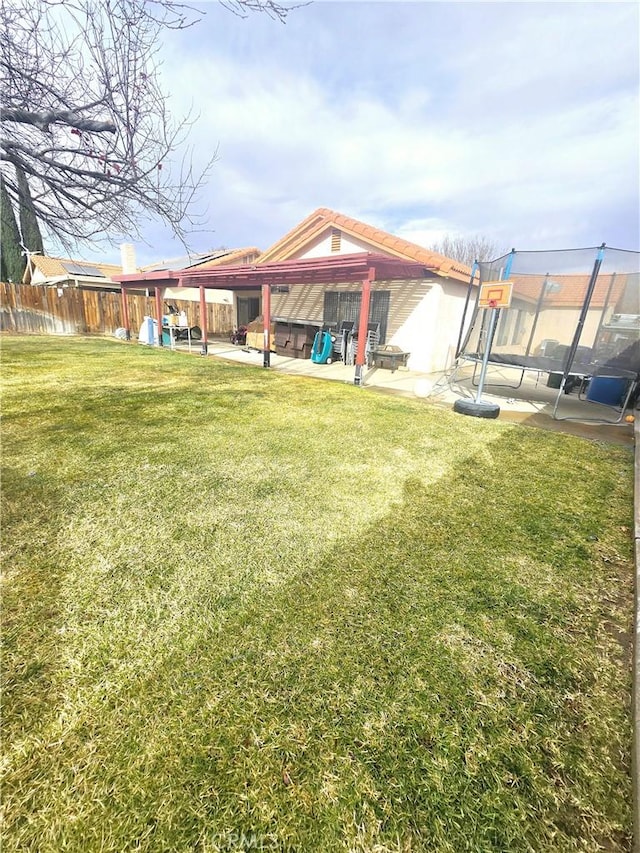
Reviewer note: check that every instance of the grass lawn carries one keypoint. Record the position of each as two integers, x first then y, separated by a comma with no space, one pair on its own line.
247,611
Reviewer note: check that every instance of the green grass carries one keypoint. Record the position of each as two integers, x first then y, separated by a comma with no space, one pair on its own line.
245,611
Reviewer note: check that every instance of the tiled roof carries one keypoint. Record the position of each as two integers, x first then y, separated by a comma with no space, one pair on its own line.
572,290
323,218
54,267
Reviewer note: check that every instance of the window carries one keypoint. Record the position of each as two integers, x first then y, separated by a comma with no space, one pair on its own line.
510,327
340,306
335,240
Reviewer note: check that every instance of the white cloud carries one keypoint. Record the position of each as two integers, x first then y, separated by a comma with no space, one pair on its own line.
519,121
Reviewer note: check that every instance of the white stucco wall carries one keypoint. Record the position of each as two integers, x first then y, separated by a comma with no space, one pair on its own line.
321,248
424,316
192,294
430,332
560,324
418,333
37,277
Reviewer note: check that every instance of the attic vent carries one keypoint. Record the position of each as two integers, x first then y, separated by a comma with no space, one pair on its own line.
335,240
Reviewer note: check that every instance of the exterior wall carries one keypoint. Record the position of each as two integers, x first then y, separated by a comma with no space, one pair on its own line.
321,248
560,324
430,331
192,294
306,302
451,309
303,302
424,315
37,277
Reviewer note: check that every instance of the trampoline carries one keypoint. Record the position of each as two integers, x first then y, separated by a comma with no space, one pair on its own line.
574,316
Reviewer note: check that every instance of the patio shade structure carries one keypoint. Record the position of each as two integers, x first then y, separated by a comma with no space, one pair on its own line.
361,267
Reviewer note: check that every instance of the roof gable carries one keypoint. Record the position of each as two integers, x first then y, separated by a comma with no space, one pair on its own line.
323,220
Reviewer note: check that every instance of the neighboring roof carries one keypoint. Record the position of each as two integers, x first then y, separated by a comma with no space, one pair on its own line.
62,268
67,269
570,290
338,268
206,259
323,218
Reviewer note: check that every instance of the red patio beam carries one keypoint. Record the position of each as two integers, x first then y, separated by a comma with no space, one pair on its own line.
340,269
363,325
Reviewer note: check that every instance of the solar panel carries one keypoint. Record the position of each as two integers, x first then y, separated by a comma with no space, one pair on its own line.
84,269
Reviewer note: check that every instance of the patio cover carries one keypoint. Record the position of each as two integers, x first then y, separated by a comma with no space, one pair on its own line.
342,268
364,267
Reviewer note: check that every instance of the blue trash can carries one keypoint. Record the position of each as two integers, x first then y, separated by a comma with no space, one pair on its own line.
609,390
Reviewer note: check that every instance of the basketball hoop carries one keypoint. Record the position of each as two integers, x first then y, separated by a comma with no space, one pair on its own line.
495,294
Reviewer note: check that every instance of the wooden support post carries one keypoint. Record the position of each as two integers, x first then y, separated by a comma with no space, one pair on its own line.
363,326
266,313
203,321
159,312
125,313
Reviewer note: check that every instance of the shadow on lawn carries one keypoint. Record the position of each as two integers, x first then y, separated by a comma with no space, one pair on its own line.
445,677
451,664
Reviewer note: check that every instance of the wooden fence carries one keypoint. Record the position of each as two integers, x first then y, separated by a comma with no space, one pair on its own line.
34,309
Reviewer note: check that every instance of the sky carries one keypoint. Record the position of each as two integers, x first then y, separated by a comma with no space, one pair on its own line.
517,121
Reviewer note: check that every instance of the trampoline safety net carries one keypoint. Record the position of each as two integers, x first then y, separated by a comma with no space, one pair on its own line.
574,311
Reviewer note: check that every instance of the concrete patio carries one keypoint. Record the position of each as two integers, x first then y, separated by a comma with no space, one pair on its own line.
532,401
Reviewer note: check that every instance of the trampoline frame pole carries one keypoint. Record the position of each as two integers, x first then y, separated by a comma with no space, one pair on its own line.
580,326
474,270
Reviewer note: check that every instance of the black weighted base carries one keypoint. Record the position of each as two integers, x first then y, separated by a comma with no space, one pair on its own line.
476,410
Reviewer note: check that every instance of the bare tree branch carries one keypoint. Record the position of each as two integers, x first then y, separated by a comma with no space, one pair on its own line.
84,117
43,120
278,11
467,249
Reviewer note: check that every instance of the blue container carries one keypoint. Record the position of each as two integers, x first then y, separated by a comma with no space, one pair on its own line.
609,390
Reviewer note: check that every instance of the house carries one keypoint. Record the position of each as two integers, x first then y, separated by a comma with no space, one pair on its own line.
420,316
95,275
65,272
331,269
